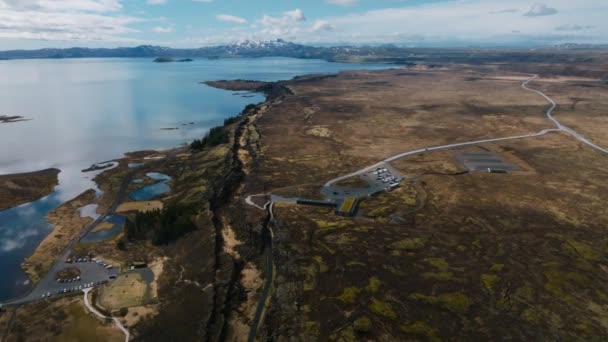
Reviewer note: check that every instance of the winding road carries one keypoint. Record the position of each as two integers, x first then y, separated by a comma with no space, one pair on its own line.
100,315
559,127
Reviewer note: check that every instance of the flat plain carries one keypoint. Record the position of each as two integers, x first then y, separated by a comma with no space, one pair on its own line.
450,254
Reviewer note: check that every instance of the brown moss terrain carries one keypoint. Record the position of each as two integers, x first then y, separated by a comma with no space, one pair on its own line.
64,319
17,189
450,255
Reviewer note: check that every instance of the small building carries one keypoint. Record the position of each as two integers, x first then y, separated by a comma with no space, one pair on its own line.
134,264
348,207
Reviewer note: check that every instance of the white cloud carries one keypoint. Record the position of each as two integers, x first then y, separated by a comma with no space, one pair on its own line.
85,20
288,25
161,29
540,9
231,18
64,5
322,25
156,2
447,23
296,15
342,2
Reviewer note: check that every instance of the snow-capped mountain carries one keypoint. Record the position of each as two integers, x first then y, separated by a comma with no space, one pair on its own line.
248,48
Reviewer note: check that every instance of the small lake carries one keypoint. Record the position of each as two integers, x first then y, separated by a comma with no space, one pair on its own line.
153,191
86,111
118,222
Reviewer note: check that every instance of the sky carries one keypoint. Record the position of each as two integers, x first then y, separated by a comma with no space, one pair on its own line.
31,24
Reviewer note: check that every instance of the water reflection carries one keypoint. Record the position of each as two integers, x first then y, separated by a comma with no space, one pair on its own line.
85,111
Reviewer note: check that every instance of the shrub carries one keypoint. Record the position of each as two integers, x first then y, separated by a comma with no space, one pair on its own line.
363,325
382,309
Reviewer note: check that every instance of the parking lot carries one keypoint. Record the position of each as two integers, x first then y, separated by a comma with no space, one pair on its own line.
383,178
485,161
92,274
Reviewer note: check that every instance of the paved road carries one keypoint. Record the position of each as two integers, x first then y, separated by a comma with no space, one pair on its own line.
100,315
559,128
559,125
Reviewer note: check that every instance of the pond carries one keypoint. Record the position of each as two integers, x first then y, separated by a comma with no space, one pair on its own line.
118,222
152,191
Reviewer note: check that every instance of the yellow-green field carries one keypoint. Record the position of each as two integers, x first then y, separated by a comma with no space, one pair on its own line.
126,291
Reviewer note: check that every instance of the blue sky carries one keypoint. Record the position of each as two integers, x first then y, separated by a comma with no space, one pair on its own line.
193,23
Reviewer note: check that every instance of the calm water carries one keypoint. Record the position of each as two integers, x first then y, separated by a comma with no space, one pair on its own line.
118,222
86,111
152,191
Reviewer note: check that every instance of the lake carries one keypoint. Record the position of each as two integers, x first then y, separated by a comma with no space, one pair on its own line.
85,111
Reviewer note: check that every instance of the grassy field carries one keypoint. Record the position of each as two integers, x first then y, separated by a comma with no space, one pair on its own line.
61,320
126,291
451,255
142,206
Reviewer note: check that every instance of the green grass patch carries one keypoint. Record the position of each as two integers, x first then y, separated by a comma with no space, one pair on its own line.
409,200
409,244
440,264
443,270
456,302
558,282
382,309
349,295
441,276
580,249
312,328
373,285
321,263
326,224
363,325
497,267
421,329
83,327
381,212
488,281
576,248
355,263
344,335
532,316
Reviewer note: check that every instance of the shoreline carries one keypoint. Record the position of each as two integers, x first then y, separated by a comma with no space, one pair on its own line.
17,189
272,91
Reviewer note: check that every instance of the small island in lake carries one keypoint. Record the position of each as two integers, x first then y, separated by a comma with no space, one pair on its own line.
171,60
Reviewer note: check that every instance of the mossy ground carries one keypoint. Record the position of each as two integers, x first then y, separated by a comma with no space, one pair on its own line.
456,254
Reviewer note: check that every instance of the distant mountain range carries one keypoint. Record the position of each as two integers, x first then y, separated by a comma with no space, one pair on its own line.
280,48
575,46
277,47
